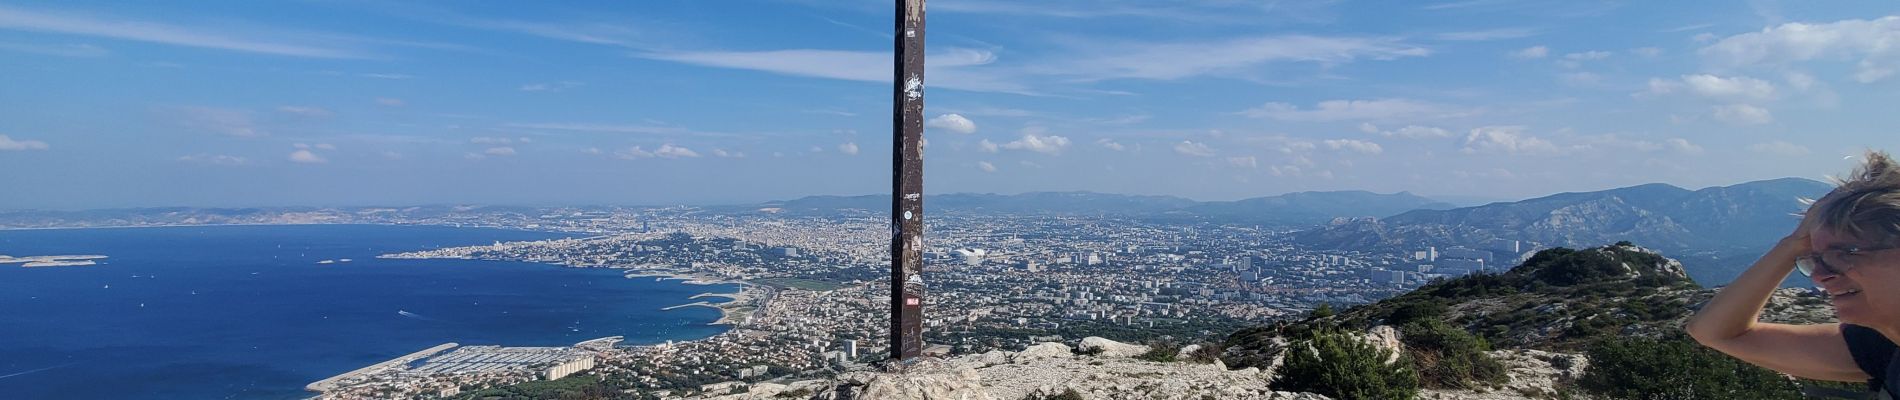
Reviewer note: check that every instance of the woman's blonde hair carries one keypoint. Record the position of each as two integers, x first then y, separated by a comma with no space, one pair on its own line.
1865,204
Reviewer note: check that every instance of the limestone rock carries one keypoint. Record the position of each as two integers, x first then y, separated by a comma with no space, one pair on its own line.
1386,337
1042,350
1112,348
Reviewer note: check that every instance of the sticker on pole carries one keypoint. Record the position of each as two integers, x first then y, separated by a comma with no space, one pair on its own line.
910,302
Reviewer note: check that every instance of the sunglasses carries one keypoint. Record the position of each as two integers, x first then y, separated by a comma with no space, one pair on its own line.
1836,261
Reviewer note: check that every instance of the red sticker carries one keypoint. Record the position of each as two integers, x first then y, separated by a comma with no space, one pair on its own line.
910,302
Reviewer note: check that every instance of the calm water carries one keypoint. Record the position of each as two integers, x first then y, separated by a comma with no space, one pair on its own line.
246,312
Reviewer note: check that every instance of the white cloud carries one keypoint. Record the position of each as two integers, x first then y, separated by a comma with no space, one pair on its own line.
1682,145
1244,162
306,157
986,146
1505,140
1354,145
1531,52
391,102
1039,143
1189,147
8,143
1111,145
500,151
1675,145
1176,60
210,159
1872,42
947,69
849,148
491,140
1358,110
722,153
665,151
313,112
1647,51
1368,127
1574,60
952,122
1740,88
1800,81
1779,148
1587,55
550,87
671,151
591,151
986,166
325,146
1742,114
152,32
1417,132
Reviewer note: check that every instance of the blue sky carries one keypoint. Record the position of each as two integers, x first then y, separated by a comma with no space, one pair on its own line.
246,103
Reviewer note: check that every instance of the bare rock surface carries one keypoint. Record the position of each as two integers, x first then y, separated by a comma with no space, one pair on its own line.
1110,348
1045,369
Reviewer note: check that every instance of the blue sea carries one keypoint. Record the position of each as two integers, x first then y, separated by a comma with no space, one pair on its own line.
246,312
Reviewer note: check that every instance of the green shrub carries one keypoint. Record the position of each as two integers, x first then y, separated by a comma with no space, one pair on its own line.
1342,367
1161,351
1450,358
1067,394
1675,368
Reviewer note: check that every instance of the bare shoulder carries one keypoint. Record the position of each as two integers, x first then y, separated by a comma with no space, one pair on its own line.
1816,351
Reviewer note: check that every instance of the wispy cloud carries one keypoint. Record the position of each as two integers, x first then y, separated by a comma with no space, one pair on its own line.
1360,110
9,144
952,122
947,69
305,156
550,87
63,50
1869,41
154,32
1192,148
224,121
214,159
1177,60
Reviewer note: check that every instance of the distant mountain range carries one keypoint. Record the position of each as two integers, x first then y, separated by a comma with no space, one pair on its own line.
1302,208
1726,224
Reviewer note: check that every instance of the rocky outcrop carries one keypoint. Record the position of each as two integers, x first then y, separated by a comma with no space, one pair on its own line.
1045,369
1535,374
1110,348
1041,351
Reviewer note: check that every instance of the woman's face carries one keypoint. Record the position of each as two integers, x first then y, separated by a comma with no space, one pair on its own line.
1869,292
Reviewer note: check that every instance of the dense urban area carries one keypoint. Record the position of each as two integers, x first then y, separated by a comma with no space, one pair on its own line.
814,298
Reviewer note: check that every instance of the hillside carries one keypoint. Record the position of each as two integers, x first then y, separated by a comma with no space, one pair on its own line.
1558,306
1718,228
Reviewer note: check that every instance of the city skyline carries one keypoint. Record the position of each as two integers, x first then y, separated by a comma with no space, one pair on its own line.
359,103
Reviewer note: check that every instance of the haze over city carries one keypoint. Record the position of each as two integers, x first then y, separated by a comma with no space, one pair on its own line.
235,103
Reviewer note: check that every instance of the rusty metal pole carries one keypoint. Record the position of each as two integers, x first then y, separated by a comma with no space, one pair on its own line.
907,185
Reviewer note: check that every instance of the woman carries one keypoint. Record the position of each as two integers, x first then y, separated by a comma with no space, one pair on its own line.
1846,243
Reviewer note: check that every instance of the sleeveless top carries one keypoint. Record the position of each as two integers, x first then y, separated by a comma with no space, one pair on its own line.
1876,355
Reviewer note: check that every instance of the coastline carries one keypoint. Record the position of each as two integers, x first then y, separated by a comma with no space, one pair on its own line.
738,305
56,228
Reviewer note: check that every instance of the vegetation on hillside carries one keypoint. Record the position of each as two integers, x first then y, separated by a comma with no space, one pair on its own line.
1341,366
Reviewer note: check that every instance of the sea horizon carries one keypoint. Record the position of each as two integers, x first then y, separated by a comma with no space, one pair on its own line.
248,311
